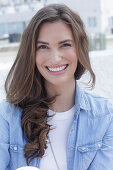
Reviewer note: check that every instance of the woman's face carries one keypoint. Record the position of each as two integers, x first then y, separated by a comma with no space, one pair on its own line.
56,57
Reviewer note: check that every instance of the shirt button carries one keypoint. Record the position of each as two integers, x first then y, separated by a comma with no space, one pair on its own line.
84,148
15,148
71,149
99,145
72,130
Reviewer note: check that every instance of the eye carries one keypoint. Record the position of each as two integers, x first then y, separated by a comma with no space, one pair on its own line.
42,47
66,45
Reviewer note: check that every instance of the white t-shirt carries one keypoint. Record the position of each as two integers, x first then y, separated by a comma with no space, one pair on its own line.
58,137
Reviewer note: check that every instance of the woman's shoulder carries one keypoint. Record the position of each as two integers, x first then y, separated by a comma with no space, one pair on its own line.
8,110
99,105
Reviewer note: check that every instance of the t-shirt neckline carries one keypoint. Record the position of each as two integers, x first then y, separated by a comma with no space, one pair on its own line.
62,115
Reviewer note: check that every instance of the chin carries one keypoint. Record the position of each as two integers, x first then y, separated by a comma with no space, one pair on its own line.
58,82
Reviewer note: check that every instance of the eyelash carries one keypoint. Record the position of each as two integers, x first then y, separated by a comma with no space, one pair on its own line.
45,47
41,47
66,45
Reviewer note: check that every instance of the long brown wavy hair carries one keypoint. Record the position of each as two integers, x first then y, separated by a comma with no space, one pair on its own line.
25,85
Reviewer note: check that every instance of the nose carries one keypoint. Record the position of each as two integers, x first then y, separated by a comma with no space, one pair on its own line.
56,56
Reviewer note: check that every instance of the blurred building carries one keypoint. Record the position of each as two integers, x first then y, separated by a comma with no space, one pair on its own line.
98,19
6,2
96,14
15,15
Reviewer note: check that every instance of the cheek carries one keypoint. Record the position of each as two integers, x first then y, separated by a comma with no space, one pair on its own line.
71,56
40,59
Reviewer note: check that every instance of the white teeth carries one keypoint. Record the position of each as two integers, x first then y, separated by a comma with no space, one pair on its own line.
57,69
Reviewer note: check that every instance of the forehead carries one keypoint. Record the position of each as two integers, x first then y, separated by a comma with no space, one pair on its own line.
57,29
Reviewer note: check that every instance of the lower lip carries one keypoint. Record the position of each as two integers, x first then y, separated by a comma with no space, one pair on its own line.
57,72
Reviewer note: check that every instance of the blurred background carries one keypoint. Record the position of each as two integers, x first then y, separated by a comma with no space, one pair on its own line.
97,16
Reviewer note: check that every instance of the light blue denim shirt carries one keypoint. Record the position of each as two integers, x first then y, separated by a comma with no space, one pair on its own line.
90,140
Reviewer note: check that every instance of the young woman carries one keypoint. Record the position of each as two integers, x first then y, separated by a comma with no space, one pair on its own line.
47,121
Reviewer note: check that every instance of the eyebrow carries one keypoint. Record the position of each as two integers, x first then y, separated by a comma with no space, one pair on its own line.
65,41
61,42
42,42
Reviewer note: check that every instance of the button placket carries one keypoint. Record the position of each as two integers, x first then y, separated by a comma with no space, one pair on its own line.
71,141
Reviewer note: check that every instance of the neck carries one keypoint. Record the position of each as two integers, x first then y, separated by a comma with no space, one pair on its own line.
66,96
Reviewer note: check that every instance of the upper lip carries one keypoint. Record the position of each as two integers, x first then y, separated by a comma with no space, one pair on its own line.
57,66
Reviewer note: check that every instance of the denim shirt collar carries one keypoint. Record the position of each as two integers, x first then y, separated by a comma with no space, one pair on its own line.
81,100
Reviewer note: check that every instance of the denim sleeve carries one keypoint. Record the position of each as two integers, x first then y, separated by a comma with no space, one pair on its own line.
4,141
104,157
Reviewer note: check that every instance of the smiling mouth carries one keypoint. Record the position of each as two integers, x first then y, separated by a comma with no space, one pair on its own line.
58,68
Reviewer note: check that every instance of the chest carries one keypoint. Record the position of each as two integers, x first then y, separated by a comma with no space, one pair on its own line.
84,140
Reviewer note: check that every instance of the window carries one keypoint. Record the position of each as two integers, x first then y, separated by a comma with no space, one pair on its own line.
92,22
15,27
110,21
10,28
3,29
